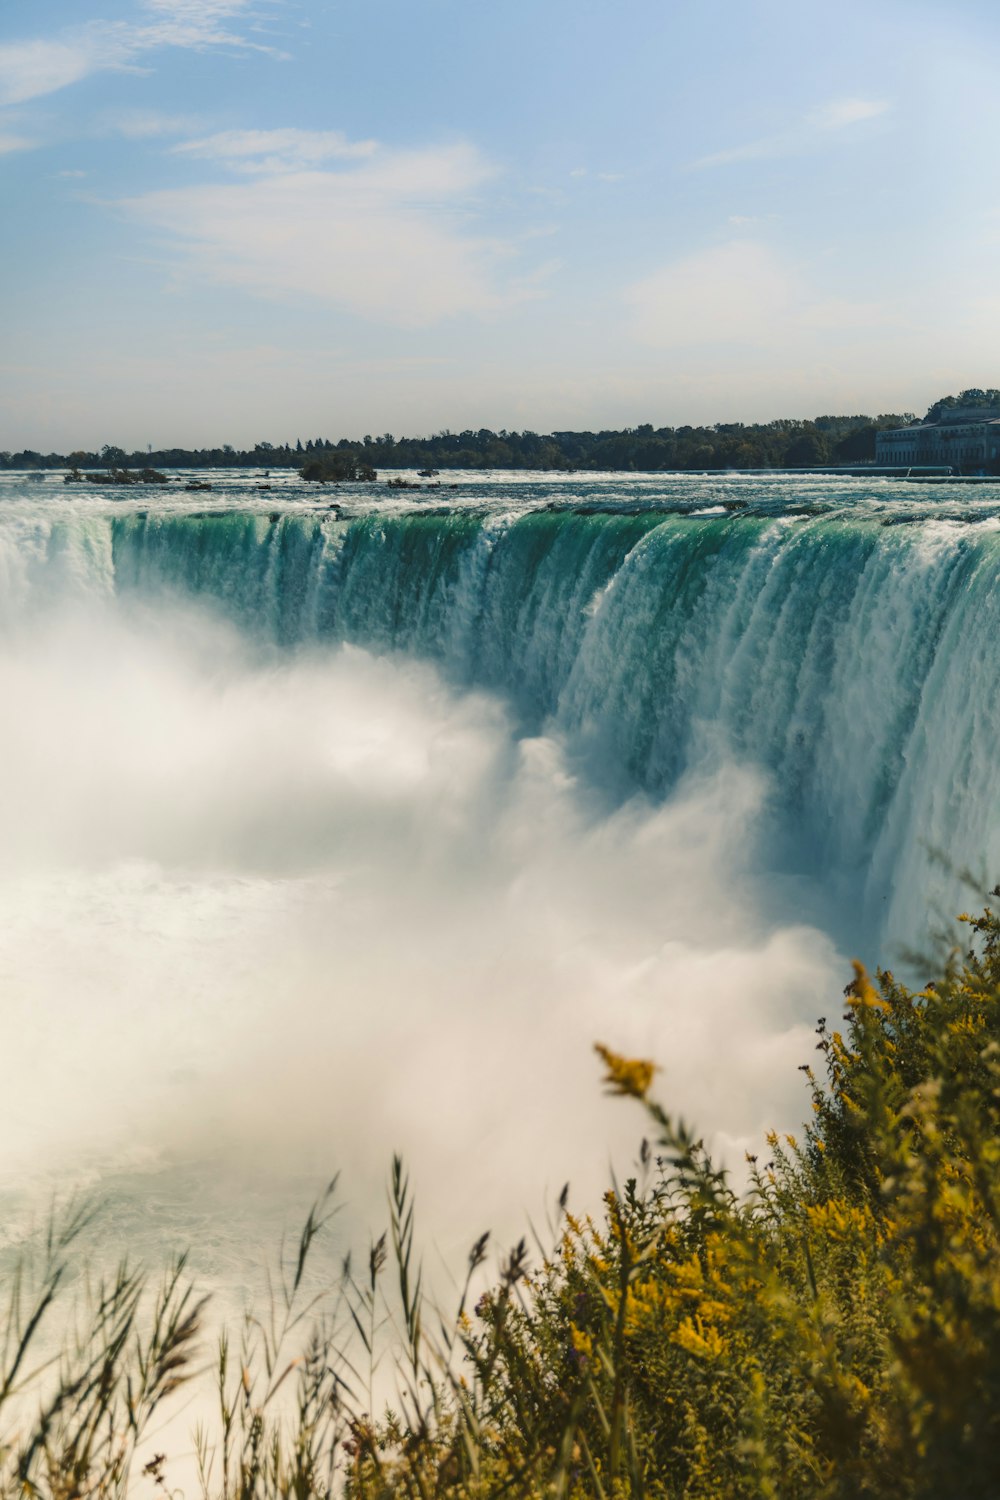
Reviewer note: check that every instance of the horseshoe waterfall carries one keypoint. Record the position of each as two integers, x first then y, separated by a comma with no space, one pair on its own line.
311,798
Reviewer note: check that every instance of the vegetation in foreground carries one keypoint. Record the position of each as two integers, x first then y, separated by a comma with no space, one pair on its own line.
834,1331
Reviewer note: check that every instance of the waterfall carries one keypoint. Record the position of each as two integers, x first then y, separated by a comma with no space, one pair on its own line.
851,660
304,807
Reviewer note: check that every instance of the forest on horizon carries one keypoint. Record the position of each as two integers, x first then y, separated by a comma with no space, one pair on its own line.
786,443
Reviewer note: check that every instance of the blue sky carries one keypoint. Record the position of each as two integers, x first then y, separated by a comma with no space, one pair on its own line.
227,220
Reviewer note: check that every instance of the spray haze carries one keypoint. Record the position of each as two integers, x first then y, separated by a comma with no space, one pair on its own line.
331,834
305,905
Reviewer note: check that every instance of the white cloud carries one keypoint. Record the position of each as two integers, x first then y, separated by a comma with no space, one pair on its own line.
194,23
196,12
11,143
599,176
729,294
772,145
43,65
259,151
813,130
29,69
146,124
841,113
383,238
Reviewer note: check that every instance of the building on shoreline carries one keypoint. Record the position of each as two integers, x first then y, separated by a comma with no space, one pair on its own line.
964,437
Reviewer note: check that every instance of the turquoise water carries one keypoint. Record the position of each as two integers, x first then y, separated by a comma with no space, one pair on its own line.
839,636
339,820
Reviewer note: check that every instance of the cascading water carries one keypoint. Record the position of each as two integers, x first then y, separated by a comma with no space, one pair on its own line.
336,810
842,656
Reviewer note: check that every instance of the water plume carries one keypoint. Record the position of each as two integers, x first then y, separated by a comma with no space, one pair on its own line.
297,909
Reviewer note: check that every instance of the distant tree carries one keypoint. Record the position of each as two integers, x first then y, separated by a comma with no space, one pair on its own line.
784,442
971,397
808,450
858,446
332,468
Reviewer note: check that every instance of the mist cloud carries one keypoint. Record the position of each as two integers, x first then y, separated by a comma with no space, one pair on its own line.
305,911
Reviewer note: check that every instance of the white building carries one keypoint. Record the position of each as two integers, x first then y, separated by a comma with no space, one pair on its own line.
963,437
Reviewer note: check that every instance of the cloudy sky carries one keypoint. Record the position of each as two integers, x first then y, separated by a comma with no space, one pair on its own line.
228,220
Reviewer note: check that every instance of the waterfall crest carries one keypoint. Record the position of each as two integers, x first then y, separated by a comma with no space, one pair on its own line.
850,660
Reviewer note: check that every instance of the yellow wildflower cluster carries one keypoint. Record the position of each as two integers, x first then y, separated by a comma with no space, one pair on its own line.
626,1075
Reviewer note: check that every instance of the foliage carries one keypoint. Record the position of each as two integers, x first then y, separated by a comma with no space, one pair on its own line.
782,444
988,400
331,468
833,1330
72,1424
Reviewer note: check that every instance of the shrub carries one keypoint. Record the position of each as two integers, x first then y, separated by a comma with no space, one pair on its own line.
831,1331
834,1331
332,467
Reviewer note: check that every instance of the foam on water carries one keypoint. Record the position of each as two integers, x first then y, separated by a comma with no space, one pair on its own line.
332,832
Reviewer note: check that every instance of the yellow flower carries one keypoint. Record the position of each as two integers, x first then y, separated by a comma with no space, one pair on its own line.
838,1220
626,1075
693,1336
582,1342
862,993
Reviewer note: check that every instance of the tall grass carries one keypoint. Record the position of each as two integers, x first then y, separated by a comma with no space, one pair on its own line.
832,1331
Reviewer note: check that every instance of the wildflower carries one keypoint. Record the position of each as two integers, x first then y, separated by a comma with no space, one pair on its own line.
626,1075
696,1338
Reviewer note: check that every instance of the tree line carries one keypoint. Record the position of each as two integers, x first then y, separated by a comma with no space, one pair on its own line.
787,443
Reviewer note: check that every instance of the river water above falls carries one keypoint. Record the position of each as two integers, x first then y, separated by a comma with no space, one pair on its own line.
338,821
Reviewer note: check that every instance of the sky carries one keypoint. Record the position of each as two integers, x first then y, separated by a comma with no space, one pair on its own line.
245,220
